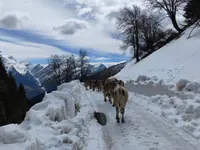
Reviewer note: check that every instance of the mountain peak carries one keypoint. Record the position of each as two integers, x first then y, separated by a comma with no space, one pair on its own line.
10,62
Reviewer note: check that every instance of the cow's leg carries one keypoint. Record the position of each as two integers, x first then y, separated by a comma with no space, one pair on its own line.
105,96
117,114
114,103
109,95
122,112
93,88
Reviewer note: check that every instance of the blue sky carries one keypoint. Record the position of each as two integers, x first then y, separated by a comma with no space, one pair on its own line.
33,30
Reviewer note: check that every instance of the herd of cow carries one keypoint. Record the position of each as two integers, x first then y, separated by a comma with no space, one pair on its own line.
113,89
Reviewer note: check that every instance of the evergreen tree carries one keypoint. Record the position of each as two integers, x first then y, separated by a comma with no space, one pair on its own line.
3,99
22,103
192,11
3,73
12,103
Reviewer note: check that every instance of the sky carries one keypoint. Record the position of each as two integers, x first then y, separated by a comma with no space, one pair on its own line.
33,30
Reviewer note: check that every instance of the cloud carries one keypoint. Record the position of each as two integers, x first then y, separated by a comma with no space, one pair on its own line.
94,38
13,20
112,15
101,59
77,23
71,26
26,50
85,10
43,14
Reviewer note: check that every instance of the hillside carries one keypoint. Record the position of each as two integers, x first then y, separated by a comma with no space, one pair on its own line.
177,60
169,83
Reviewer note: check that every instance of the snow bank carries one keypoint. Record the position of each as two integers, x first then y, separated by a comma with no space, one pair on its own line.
56,123
177,60
180,103
188,86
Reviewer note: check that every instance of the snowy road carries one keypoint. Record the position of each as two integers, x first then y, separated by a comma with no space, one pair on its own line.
142,130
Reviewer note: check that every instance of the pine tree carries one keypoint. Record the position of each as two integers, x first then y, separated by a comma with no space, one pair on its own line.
3,93
22,103
11,105
3,73
3,99
192,11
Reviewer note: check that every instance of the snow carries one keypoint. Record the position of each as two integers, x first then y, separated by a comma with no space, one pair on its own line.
21,67
167,84
144,128
180,107
177,60
155,120
56,124
162,112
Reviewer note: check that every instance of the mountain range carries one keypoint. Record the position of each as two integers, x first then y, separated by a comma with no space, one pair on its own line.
38,78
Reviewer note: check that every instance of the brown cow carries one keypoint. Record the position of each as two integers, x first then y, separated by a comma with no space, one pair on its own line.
100,85
120,97
109,85
87,84
120,82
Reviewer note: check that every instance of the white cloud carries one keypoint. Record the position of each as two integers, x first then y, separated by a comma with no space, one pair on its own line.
26,50
43,14
71,26
64,20
13,20
84,10
94,38
101,59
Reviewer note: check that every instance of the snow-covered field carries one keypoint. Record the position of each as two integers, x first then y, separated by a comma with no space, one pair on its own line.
53,123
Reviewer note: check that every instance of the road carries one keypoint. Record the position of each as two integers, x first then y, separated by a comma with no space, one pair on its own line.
142,130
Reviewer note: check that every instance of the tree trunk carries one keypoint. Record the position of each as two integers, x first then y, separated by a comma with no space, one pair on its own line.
137,43
175,24
134,46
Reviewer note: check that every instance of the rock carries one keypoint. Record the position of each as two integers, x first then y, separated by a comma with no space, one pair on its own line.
101,118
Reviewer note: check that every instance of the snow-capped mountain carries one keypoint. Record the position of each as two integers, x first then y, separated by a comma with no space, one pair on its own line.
22,74
108,72
96,68
45,74
36,69
10,62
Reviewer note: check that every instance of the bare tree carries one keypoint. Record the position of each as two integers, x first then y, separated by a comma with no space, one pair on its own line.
56,63
171,7
150,29
128,26
69,67
83,62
